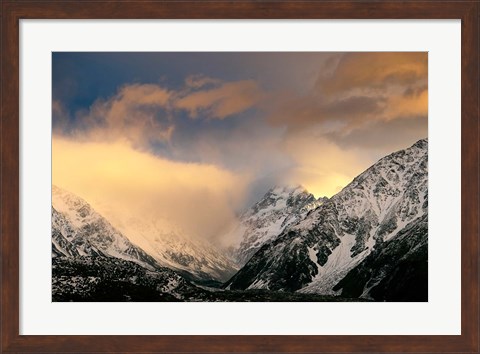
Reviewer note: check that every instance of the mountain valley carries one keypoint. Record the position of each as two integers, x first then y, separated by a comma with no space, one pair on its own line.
368,242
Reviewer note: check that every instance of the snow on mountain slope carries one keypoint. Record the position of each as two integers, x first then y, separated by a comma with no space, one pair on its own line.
101,278
78,230
396,270
61,246
279,208
172,247
145,241
320,249
93,261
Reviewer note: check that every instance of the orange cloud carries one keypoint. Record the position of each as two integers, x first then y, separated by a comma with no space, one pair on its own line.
409,105
134,114
363,106
376,70
361,89
119,180
222,101
130,106
144,113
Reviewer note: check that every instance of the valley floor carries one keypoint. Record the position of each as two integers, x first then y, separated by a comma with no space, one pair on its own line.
275,296
102,279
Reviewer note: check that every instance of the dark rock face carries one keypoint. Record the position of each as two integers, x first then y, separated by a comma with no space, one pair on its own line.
396,270
285,263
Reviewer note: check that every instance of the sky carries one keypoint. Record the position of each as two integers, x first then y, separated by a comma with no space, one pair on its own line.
198,137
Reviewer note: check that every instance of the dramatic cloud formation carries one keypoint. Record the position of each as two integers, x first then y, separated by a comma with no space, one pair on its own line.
135,114
143,113
197,138
363,87
200,198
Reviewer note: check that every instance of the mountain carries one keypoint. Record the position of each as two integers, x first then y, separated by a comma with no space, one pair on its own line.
78,230
104,278
93,261
369,215
86,267
173,247
279,208
396,270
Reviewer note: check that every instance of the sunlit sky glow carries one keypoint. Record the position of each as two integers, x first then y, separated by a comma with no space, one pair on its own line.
206,134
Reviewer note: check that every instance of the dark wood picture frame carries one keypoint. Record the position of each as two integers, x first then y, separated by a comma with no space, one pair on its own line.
13,11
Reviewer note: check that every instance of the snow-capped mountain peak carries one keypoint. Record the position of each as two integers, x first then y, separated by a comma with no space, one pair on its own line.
321,246
77,229
151,241
172,247
278,208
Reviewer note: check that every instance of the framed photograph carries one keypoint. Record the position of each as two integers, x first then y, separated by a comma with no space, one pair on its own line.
240,177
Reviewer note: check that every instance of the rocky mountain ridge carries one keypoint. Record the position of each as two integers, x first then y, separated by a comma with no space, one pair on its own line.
279,208
316,252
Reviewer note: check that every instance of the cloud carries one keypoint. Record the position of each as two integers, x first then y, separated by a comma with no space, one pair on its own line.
320,165
60,117
198,81
410,105
375,70
201,198
221,101
145,114
321,132
363,107
313,110
383,137
135,114
355,90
